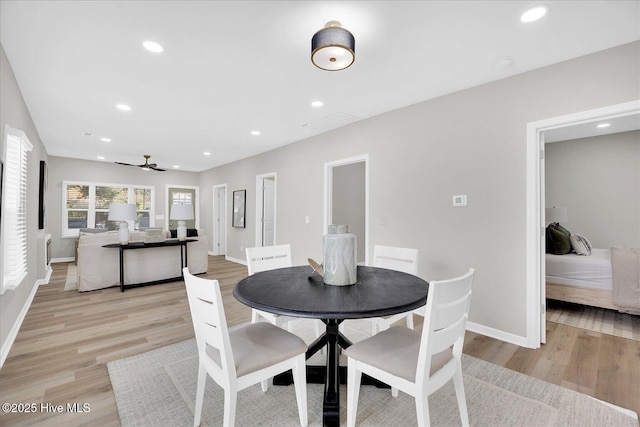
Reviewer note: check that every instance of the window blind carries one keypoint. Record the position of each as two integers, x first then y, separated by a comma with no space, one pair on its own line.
15,211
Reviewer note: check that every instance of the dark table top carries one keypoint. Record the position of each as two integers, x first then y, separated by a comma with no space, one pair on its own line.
299,292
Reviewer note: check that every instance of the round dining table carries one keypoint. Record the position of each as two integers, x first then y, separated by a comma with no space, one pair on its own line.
300,292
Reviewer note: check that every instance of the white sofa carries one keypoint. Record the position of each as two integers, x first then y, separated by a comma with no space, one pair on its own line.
99,267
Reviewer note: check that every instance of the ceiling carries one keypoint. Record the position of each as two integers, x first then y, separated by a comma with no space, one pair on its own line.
230,67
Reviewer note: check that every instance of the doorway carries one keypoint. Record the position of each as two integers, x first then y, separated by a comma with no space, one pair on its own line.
266,209
347,199
536,298
219,239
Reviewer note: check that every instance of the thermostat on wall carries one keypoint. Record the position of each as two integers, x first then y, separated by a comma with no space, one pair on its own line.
460,200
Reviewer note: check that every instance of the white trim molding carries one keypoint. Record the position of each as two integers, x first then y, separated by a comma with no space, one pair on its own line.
535,202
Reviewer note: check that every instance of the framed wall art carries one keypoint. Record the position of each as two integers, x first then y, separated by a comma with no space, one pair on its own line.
239,214
42,200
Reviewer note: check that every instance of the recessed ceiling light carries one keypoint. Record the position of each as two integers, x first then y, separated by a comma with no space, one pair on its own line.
123,107
100,157
534,13
255,132
207,153
176,166
603,125
152,46
105,139
317,104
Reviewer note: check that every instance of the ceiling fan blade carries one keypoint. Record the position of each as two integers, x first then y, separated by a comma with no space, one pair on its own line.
157,169
152,165
126,164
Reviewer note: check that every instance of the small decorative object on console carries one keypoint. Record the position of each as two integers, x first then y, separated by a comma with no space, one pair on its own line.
154,235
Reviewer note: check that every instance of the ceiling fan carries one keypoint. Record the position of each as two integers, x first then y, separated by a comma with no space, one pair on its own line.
146,166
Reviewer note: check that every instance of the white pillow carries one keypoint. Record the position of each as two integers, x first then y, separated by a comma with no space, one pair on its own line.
580,244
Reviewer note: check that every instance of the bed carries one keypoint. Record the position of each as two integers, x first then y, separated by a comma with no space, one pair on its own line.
591,280
581,279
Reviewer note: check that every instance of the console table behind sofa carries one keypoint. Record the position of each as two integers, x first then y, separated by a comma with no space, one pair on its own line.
98,267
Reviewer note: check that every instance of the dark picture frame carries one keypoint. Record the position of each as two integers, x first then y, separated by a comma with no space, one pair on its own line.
239,211
42,199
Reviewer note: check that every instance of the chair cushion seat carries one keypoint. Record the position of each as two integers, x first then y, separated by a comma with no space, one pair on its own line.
395,350
259,345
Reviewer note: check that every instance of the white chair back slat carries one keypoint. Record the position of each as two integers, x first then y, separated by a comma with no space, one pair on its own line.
447,337
394,258
446,319
263,258
209,321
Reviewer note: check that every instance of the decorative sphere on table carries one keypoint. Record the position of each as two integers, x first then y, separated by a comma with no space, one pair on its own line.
340,256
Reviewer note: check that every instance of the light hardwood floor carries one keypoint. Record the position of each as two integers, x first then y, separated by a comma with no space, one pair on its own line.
60,354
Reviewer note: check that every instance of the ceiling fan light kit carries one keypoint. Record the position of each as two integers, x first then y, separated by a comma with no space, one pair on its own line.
333,48
146,166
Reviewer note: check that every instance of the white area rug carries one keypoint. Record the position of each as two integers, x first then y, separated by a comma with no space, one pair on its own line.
157,388
72,278
595,319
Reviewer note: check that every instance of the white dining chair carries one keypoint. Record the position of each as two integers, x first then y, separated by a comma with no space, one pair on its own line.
418,363
399,259
242,357
264,258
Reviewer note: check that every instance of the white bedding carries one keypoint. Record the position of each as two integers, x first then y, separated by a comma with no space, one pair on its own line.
591,271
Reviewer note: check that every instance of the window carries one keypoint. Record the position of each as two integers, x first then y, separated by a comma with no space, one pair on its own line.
86,205
14,233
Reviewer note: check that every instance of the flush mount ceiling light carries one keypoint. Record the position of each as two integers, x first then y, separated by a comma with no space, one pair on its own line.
123,107
333,48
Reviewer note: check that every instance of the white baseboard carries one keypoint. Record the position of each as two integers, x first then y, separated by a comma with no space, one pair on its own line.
6,346
65,259
498,334
236,260
46,278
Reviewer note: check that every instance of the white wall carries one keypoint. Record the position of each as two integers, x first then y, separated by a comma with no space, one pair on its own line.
598,180
14,112
472,142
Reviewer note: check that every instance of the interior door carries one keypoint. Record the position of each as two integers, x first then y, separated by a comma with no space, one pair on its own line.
185,196
219,220
268,212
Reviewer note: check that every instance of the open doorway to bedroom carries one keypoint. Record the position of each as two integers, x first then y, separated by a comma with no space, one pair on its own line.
622,117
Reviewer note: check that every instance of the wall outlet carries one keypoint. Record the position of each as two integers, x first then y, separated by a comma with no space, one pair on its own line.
306,219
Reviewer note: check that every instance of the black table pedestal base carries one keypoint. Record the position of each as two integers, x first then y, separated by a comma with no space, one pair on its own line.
331,375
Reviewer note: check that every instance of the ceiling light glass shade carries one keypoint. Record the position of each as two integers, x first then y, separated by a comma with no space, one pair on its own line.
333,48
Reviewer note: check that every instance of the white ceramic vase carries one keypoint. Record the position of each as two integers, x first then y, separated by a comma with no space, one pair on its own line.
340,256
